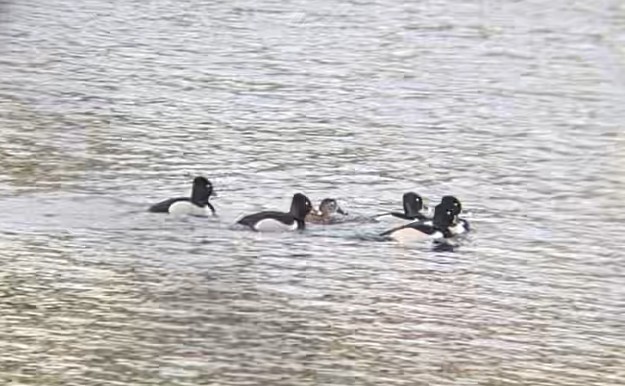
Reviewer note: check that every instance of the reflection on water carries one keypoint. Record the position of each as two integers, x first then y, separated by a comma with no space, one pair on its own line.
515,108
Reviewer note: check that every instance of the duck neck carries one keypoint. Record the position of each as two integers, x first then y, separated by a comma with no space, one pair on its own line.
412,211
199,196
443,229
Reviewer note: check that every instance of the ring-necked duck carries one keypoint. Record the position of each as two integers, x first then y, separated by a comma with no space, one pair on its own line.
413,208
196,205
418,231
279,221
325,214
459,225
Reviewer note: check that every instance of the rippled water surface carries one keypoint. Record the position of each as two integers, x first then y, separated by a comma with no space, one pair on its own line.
515,107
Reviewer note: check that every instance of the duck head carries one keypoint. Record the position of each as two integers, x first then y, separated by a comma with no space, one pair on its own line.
202,190
329,206
413,203
300,206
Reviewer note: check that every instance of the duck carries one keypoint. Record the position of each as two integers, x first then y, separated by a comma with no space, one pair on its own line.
327,208
268,221
459,226
420,231
196,205
413,208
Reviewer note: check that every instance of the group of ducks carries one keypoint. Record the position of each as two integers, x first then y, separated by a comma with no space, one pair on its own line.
421,222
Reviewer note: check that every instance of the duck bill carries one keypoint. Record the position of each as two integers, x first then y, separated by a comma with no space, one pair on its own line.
341,211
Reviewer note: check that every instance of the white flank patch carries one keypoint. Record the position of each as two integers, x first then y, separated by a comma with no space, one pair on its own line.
457,229
406,235
273,225
182,208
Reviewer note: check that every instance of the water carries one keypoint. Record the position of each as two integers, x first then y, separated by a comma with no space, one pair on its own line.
514,107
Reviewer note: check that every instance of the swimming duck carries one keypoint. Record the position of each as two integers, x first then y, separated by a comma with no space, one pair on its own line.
196,205
292,220
419,231
413,208
459,225
327,208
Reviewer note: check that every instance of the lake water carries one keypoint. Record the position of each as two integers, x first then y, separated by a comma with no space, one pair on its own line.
517,108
